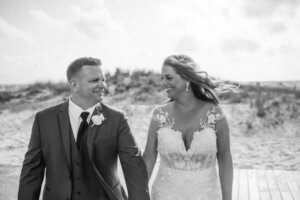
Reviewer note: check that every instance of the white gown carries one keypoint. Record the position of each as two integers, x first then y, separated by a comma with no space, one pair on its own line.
187,174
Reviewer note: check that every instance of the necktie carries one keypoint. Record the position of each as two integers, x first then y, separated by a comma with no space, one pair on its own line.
82,128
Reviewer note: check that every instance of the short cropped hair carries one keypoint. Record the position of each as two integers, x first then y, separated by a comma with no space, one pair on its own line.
77,65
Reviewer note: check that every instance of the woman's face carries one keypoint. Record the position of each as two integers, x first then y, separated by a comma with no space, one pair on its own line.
172,82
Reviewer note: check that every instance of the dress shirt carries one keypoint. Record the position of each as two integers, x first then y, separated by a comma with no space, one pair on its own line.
74,115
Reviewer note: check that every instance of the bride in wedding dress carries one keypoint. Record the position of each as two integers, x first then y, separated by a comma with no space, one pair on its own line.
191,135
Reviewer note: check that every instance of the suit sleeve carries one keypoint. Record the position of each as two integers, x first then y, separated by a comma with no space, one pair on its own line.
133,166
32,173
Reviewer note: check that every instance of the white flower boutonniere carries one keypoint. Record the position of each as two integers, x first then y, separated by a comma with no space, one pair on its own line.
98,118
161,119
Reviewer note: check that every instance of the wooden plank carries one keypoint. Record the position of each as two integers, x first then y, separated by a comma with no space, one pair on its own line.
253,185
243,185
296,177
292,181
235,184
283,186
273,187
263,185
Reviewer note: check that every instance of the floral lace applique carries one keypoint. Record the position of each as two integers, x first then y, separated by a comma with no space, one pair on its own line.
163,120
211,117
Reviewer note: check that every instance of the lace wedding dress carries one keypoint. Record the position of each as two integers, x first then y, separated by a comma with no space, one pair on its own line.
187,174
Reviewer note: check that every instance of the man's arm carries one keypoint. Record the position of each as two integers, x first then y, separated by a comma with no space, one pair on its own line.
32,173
133,166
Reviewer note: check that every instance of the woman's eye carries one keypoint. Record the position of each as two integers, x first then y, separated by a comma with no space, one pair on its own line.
166,77
94,80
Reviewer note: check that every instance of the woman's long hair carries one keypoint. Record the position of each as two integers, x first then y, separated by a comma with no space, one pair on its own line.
202,86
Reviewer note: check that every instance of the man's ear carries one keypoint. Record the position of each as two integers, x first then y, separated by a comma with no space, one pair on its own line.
74,86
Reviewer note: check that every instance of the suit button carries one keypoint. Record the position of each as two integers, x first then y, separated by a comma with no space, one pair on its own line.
78,193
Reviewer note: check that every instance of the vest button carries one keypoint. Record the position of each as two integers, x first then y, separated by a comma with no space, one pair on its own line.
78,193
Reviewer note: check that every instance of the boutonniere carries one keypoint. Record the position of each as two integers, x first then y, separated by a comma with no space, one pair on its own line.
98,118
162,118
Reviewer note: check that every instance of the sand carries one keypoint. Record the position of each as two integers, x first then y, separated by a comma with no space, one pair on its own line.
257,147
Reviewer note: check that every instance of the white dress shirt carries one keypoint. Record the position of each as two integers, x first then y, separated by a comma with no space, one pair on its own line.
74,115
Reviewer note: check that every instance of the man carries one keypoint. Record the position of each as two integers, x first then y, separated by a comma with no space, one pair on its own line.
80,151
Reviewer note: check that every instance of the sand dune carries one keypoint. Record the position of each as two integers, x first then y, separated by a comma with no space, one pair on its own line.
258,147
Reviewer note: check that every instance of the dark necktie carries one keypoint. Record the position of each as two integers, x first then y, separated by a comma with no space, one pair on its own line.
82,129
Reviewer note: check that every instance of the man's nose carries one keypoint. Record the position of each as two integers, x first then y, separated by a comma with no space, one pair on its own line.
101,84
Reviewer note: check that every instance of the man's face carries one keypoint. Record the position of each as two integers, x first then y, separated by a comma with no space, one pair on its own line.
90,83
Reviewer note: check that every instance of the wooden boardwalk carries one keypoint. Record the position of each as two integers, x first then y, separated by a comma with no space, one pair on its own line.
251,184
248,184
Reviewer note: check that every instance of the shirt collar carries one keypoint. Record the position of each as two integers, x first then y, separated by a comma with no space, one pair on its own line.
77,110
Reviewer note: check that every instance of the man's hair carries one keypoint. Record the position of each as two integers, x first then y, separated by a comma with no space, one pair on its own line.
77,65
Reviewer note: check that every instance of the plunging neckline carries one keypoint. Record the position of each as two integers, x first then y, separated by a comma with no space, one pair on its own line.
182,139
180,142
167,123
187,148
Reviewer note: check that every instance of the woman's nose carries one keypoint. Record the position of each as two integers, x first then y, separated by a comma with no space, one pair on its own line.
164,83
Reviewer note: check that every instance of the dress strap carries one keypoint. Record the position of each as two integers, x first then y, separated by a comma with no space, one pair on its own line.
212,117
162,118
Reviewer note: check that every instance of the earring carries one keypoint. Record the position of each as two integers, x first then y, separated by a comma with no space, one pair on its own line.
187,86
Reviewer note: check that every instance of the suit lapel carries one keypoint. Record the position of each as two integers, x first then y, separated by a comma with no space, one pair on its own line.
64,124
92,133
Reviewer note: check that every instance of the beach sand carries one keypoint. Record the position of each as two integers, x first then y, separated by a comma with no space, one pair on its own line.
252,144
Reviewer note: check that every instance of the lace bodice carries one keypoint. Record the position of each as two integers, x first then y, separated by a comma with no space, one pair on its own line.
188,174
203,148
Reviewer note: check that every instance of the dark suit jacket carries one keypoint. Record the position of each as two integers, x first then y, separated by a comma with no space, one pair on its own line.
49,148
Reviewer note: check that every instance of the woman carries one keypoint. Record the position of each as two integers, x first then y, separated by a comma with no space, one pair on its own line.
191,135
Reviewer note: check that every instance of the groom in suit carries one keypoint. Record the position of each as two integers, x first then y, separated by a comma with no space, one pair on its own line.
77,143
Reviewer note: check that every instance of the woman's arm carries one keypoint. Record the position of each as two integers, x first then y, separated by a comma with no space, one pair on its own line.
150,152
224,158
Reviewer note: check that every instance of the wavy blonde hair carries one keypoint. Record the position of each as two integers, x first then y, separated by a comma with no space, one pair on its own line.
202,86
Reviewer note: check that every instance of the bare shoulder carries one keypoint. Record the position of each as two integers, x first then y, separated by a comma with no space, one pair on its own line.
161,115
215,109
219,120
165,108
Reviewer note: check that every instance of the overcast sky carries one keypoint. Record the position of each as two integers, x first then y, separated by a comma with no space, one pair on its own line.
241,40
